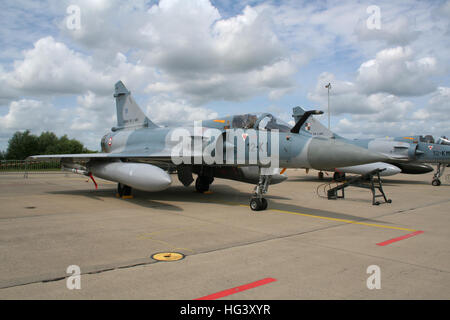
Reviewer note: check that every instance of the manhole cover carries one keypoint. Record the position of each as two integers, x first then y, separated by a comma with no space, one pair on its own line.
168,256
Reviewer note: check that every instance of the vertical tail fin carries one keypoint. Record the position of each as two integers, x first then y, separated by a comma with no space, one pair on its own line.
129,114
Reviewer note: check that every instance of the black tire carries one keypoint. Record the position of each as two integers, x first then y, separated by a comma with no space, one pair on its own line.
120,189
436,182
201,185
264,204
255,204
320,175
126,190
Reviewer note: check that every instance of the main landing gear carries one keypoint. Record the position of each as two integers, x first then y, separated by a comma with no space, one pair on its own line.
123,191
320,175
202,183
339,176
257,202
439,172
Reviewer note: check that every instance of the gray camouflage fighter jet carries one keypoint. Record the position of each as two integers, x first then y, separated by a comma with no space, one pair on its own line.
408,154
248,148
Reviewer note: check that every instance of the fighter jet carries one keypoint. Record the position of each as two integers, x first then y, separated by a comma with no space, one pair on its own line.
409,154
249,147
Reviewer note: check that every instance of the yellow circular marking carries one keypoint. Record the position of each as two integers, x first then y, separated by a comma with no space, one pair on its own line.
168,256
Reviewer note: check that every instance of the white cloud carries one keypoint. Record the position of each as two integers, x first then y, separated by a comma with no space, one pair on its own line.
440,100
396,71
87,122
93,113
402,30
50,67
396,117
438,108
181,45
344,96
43,115
169,112
374,92
214,58
275,80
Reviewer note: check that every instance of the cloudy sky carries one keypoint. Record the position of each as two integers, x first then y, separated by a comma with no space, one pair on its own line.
196,59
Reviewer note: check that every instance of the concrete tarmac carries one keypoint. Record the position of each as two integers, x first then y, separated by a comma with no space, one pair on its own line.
313,247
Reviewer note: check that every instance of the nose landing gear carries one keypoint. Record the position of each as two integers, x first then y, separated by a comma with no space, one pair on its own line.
257,202
439,172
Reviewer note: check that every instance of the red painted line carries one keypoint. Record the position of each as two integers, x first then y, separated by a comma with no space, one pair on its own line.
406,236
231,291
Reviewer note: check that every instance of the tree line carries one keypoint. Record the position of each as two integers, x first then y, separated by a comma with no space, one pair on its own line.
24,144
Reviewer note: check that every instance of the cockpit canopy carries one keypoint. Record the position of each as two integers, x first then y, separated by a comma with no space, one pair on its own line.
429,139
260,121
426,139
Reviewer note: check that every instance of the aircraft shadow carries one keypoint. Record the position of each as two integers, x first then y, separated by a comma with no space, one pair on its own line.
388,182
225,194
321,213
385,181
221,194
101,194
308,179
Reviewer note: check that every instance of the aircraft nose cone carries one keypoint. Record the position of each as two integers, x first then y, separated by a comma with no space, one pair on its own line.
332,153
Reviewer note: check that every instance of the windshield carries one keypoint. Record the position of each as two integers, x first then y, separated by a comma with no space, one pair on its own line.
427,139
264,121
244,121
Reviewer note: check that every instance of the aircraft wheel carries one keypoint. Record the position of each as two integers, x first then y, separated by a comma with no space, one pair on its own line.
201,185
256,204
320,175
126,190
123,190
436,182
264,203
120,189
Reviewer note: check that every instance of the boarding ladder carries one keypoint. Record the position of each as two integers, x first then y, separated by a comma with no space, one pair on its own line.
370,180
